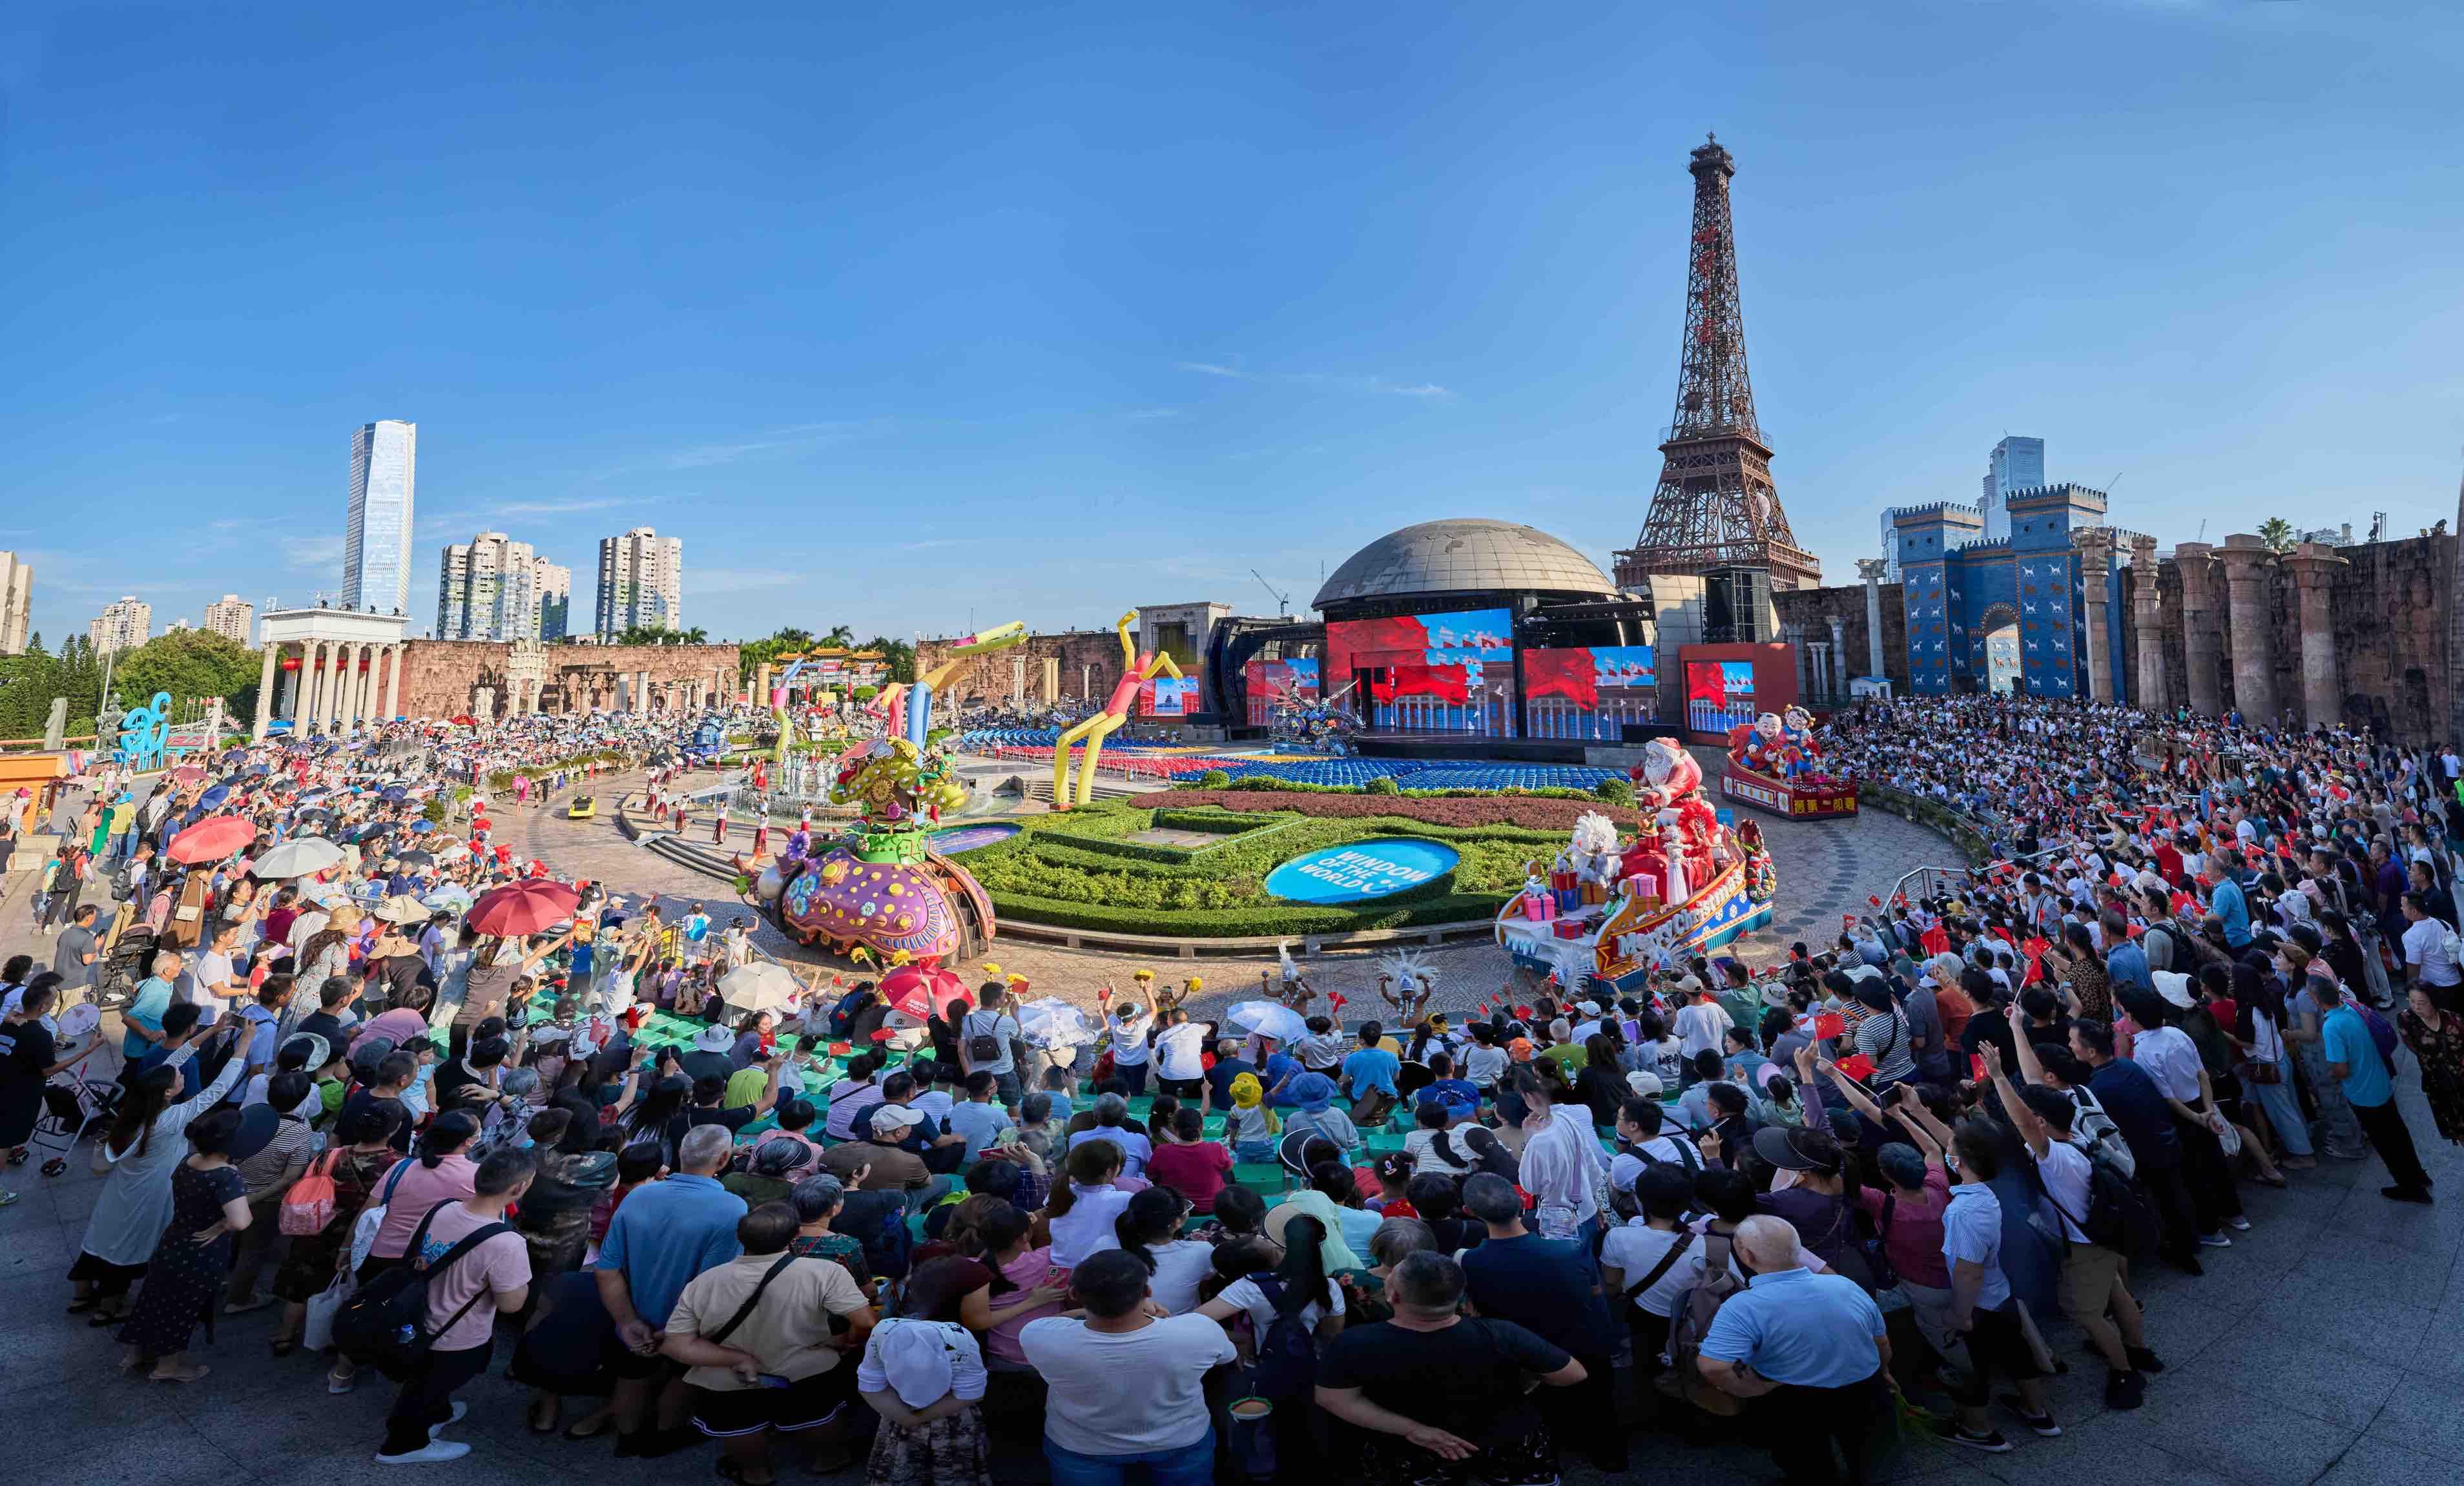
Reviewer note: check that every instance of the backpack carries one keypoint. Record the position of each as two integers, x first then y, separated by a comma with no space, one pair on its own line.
1653,1275
1691,1322
2381,1036
2118,1214
1286,1365
384,1322
123,882
984,1047
309,1205
2104,1137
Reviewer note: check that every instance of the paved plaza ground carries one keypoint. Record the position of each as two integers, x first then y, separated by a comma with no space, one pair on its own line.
2320,1348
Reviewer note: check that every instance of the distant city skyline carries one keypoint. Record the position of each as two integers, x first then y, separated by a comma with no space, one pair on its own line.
1119,309
124,624
641,582
231,617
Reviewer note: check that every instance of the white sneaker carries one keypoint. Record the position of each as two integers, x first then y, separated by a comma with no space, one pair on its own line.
460,1409
2239,1225
435,1452
2214,1242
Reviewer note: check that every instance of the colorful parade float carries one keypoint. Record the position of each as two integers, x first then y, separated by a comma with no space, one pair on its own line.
1611,909
878,892
1775,764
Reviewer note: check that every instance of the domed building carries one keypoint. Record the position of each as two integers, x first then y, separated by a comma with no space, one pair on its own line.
1491,635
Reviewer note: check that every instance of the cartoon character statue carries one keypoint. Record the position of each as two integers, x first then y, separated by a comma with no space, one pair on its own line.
1594,855
1798,753
1756,749
1668,786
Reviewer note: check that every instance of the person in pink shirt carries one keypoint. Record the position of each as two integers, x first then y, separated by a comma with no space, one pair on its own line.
464,1298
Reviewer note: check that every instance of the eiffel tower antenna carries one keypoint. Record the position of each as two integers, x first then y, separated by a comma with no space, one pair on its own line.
1715,506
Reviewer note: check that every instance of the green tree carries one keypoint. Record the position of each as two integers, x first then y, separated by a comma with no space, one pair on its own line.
192,664
2277,534
897,655
660,634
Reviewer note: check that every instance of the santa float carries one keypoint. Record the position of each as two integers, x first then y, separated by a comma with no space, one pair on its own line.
1679,884
1775,764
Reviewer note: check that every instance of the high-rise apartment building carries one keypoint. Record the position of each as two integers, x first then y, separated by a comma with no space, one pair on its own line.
229,617
641,582
486,590
2017,464
124,626
553,584
376,535
16,602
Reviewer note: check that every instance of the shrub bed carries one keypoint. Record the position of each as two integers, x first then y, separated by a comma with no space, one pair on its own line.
1534,812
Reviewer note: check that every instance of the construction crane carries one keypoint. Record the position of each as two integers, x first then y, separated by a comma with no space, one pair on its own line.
1283,600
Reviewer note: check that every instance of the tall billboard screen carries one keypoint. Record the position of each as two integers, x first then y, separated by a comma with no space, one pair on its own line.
1590,693
1719,694
1166,697
1451,672
1271,684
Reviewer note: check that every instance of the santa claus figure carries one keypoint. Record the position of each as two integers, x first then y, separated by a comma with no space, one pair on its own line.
1669,787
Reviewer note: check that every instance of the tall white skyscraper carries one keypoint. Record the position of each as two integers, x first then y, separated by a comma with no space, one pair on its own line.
487,590
16,602
641,582
553,583
229,617
376,535
124,626
2017,464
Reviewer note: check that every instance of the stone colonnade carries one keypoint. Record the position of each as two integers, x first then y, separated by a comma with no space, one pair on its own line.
2240,573
338,685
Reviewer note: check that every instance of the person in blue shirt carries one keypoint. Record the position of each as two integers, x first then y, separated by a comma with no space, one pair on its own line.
1982,1304
144,1016
1228,1066
2139,1109
1814,1346
1370,1072
663,1234
2353,1060
2124,961
1460,1098
1277,1075
2229,905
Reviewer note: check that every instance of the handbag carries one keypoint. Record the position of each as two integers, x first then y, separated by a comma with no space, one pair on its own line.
363,1228
317,1333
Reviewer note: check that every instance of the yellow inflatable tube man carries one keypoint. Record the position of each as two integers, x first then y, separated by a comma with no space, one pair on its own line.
1135,668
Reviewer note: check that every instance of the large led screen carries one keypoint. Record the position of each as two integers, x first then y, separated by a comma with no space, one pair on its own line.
1590,693
1451,672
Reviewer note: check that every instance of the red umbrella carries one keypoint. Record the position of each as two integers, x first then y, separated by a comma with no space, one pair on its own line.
914,992
523,908
213,839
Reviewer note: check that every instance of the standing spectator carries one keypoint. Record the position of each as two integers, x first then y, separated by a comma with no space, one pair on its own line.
1180,1066
2353,1060
985,1036
1563,1167
1442,1395
465,1293
1811,1348
1548,1287
1125,1386
1982,1305
755,1333
2428,962
663,1235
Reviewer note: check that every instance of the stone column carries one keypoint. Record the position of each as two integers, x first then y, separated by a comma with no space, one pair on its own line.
2314,566
264,692
1838,655
2203,628
2247,564
312,685
355,695
1873,569
393,682
289,711
2147,625
640,691
2096,570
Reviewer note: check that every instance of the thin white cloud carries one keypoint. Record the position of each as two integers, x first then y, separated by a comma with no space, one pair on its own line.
1341,381
313,552
702,582
802,435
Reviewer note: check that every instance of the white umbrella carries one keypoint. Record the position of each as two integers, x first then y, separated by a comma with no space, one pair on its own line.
1051,1022
1269,1018
761,987
298,857
452,898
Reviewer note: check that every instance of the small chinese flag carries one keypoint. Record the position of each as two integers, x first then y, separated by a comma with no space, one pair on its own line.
1830,1024
1335,999
1874,898
841,1049
882,1035
1976,1067
1523,1011
1856,1065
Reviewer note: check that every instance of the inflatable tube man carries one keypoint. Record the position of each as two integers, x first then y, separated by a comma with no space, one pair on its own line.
1137,668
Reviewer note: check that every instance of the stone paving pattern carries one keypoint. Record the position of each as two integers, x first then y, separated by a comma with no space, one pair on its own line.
2320,1348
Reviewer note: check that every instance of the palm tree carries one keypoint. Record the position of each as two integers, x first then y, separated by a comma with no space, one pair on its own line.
840,637
2277,534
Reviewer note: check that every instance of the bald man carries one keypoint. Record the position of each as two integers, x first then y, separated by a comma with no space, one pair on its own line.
1809,1350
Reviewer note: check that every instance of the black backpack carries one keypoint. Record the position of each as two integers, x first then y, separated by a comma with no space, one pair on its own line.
985,1048
1286,1367
2119,1214
384,1322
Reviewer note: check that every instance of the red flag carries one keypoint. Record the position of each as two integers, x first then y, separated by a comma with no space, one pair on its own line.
1830,1024
1874,898
1856,1065
1523,1012
1567,673
1976,1067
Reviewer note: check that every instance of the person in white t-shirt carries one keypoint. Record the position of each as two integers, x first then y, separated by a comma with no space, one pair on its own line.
1700,1025
1125,1387
1642,1281
1294,1282
2092,1281
1179,1055
1128,1024
2428,961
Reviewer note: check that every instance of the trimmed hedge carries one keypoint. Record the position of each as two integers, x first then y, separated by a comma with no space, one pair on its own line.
1079,873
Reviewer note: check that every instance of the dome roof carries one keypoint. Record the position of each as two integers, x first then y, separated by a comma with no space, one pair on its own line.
1463,557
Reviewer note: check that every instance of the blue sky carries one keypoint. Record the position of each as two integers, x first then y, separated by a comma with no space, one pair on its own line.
916,322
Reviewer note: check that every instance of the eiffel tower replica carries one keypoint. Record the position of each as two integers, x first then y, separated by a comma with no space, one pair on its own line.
1715,507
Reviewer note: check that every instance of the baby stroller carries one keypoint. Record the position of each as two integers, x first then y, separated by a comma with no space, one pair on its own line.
130,961
71,1106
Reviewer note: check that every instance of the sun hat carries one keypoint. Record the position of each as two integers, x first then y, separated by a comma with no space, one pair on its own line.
890,1119
714,1039
1788,1149
2174,987
1645,1085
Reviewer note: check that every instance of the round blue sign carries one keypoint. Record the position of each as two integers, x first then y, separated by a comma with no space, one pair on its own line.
1363,870
951,839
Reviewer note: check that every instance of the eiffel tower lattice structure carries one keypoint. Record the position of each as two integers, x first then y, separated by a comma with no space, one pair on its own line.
1715,506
